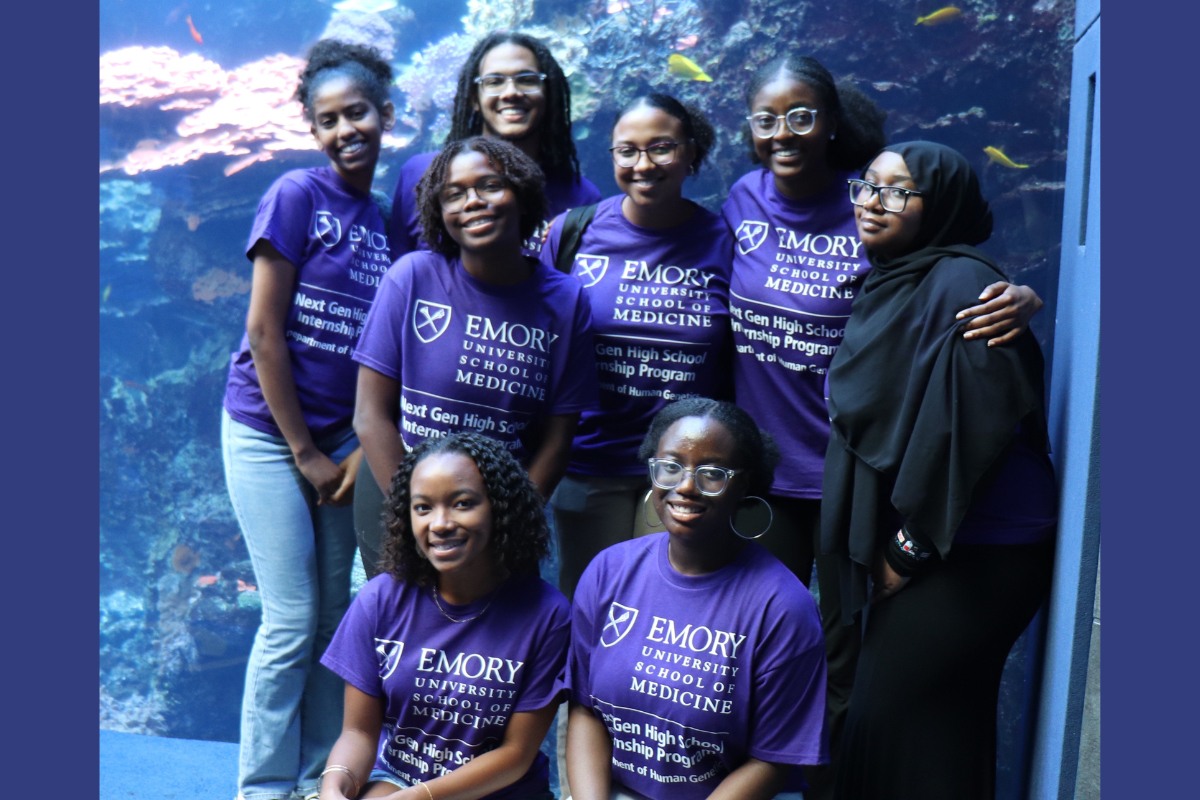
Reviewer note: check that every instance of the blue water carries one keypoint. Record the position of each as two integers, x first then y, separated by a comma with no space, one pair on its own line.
173,655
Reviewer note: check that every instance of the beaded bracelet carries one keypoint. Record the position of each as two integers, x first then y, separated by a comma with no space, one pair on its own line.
340,768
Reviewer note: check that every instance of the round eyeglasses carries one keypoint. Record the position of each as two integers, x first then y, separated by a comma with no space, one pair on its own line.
799,121
709,480
453,197
660,153
892,198
523,82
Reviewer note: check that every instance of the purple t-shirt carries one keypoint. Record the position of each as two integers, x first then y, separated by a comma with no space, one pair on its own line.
449,689
660,309
406,222
693,675
334,236
472,356
796,268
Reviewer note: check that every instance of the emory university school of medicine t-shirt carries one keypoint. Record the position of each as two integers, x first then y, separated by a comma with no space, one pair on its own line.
693,675
660,316
449,689
473,356
797,266
333,234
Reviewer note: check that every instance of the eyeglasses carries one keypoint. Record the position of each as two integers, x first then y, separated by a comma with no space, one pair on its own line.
491,188
660,153
523,82
799,121
892,198
709,480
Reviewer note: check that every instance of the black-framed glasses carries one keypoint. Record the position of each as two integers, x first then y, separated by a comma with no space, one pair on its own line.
799,120
660,153
892,198
492,188
666,473
523,82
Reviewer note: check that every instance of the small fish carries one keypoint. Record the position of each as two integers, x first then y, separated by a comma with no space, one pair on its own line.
684,67
104,295
246,587
684,42
193,222
195,33
941,15
207,580
997,155
366,6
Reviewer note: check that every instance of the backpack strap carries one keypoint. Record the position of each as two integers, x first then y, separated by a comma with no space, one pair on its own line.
576,222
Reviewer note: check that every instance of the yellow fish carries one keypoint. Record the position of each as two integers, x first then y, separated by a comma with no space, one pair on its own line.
107,292
997,155
684,67
941,15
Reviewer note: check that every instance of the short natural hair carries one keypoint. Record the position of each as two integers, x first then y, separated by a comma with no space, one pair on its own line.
696,126
524,177
520,536
330,58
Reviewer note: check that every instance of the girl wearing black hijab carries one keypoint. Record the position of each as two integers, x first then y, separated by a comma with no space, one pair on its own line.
937,441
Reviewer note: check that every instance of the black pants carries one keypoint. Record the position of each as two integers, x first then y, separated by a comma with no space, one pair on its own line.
922,718
794,538
368,519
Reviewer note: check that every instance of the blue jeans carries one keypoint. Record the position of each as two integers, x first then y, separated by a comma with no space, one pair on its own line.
302,555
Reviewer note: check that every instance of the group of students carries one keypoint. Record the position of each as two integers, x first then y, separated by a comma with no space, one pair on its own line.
827,372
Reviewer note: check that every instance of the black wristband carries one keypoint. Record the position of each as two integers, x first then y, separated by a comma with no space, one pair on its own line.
905,556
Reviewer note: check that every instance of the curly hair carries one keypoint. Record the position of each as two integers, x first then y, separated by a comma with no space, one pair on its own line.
696,126
756,448
860,122
524,177
520,536
330,58
557,150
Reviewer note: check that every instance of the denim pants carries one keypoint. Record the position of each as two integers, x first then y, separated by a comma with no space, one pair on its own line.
302,555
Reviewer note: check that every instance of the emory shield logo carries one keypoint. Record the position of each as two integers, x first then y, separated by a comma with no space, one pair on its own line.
591,268
620,622
430,320
327,228
750,235
389,652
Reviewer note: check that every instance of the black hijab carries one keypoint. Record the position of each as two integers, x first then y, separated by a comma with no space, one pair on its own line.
922,419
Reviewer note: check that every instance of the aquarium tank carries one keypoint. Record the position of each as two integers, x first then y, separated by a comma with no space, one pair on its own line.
197,120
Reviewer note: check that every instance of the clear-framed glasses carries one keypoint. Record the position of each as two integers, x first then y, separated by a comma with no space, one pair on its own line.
453,196
523,82
660,153
667,474
892,198
799,121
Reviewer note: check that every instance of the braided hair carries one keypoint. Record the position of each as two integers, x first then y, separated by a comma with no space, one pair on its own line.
523,176
696,126
330,58
859,121
756,449
520,537
557,154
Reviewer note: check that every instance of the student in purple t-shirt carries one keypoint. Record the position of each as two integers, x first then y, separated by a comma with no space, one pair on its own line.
318,245
512,88
473,335
656,269
697,664
451,657
797,267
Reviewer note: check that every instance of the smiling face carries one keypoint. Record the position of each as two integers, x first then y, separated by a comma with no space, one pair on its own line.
511,114
694,442
450,514
646,183
886,233
480,223
349,127
797,161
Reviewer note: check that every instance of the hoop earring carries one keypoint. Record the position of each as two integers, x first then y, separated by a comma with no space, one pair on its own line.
770,519
648,525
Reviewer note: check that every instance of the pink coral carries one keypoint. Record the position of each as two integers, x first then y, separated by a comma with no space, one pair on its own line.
219,283
139,76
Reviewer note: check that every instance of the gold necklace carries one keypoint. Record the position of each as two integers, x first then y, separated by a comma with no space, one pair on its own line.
438,603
